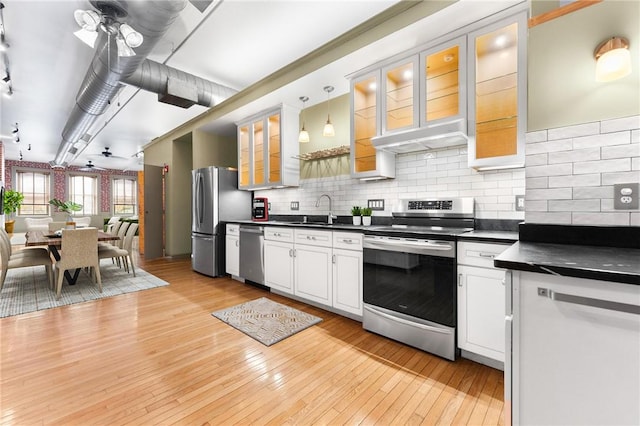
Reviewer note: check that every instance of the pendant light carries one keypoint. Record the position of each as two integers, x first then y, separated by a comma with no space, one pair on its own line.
328,130
303,137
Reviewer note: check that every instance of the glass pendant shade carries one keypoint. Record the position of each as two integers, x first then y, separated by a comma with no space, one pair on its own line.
328,130
304,136
613,59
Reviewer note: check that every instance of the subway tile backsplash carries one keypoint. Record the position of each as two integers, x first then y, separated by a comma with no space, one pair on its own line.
425,174
570,172
569,177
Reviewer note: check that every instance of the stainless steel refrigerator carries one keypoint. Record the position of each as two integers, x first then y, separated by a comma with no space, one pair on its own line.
215,199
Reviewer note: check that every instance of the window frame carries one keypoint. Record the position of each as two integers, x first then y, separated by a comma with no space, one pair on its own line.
17,170
112,204
96,198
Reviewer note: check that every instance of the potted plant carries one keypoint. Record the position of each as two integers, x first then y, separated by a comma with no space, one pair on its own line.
355,212
67,207
12,201
366,216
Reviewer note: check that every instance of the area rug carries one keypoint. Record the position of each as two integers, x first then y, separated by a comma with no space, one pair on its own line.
265,320
27,289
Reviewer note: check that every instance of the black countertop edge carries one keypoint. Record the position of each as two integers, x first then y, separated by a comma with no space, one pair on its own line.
612,276
489,236
582,235
614,264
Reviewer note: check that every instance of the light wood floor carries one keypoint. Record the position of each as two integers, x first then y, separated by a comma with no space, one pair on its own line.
159,357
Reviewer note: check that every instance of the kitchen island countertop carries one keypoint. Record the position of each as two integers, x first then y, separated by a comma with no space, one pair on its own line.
613,264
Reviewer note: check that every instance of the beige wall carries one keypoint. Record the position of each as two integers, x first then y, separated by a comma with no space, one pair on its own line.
178,208
562,89
315,117
214,150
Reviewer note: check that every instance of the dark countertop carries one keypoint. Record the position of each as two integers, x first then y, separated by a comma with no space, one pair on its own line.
614,264
489,236
313,225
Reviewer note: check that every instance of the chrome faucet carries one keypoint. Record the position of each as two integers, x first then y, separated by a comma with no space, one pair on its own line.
331,216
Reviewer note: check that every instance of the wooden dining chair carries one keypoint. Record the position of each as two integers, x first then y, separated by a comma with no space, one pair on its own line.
122,254
23,260
26,251
79,250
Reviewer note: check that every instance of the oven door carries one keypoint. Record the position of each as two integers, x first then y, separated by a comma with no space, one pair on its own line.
411,276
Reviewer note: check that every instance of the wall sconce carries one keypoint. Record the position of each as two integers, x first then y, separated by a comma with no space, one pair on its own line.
328,130
613,59
303,137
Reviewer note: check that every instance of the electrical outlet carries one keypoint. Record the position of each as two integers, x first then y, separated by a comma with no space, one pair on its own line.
295,205
519,203
625,196
375,204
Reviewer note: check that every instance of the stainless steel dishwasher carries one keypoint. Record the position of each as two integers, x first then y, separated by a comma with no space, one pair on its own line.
252,253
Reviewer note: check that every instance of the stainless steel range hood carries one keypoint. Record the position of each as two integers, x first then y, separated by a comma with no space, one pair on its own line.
450,133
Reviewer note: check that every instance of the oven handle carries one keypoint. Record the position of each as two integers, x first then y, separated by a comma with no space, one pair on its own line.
405,322
402,245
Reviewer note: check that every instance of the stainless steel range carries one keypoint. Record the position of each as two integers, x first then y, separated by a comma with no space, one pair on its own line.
409,272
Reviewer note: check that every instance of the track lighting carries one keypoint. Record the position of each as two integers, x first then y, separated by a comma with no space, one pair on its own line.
20,155
90,21
9,92
6,78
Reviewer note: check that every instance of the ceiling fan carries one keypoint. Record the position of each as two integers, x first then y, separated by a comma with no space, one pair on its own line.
106,154
90,167
106,19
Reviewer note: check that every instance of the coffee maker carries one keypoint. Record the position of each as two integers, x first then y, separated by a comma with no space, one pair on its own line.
260,210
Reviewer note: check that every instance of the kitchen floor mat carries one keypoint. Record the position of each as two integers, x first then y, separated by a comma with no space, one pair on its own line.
266,321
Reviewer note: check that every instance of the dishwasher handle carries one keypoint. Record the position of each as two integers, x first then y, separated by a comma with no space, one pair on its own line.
252,229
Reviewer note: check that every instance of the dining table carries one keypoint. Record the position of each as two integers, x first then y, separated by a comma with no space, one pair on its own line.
53,241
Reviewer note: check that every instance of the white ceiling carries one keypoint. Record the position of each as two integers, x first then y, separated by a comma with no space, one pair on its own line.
234,42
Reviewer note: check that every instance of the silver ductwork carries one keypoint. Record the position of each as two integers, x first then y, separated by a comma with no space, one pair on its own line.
107,72
155,77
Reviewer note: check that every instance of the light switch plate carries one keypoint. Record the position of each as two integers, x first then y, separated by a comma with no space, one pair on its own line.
519,203
375,204
625,196
295,205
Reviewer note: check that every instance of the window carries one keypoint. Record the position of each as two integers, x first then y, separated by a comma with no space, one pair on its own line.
84,190
123,196
36,189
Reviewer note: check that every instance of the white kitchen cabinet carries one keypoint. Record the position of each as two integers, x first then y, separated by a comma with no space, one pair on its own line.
278,258
347,272
576,351
481,300
312,265
498,94
366,161
232,249
268,149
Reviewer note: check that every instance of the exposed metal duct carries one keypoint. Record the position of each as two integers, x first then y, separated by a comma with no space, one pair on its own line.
152,18
154,77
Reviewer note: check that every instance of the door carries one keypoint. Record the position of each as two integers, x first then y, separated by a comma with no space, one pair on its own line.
232,253
312,269
153,212
278,266
347,280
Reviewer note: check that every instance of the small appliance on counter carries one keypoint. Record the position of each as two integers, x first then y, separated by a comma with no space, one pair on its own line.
260,210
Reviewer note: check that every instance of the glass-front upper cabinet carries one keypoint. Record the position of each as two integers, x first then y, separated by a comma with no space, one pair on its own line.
265,159
497,83
400,95
443,82
366,161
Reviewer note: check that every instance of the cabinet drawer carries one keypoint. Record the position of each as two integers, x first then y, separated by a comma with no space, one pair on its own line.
279,233
233,229
479,254
313,238
347,240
